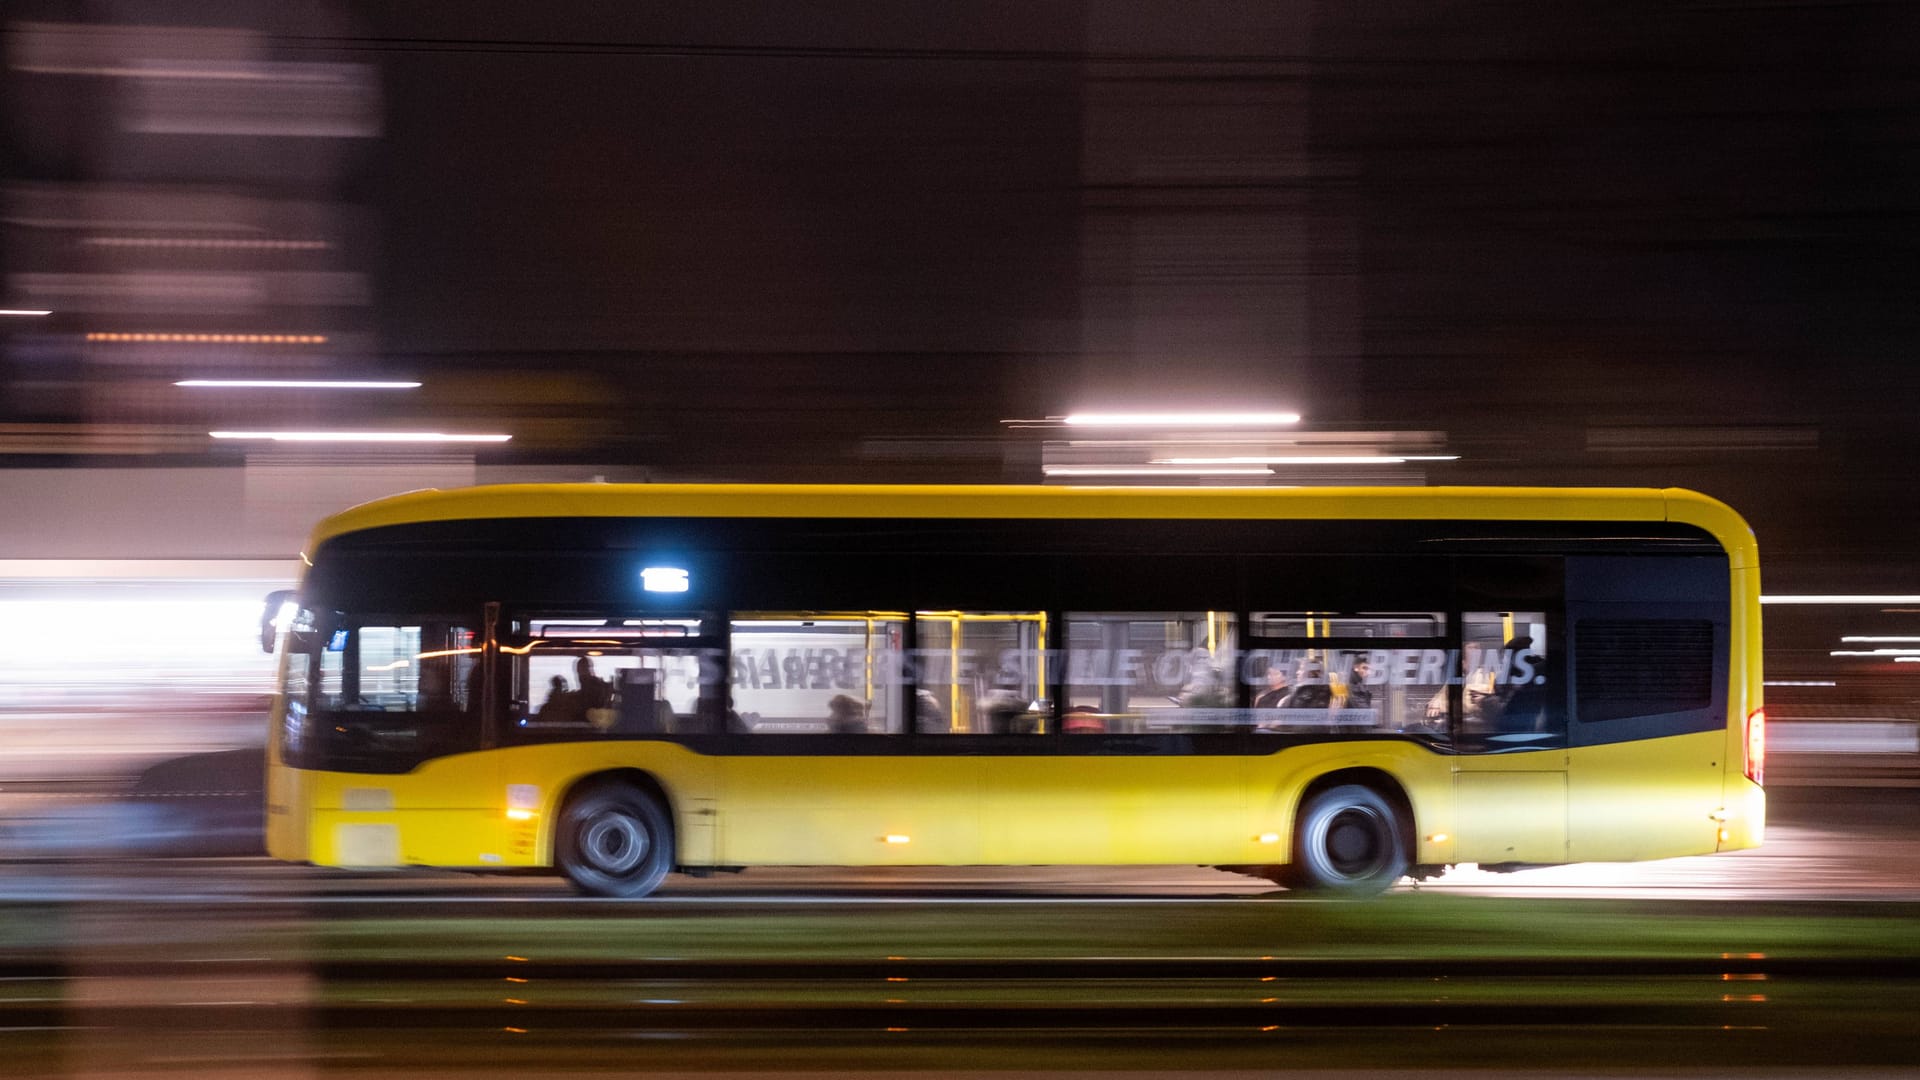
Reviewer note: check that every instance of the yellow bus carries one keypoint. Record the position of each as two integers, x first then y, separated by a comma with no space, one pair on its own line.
1333,688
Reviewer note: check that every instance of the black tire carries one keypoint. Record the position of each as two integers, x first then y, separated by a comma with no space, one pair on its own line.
1347,841
614,840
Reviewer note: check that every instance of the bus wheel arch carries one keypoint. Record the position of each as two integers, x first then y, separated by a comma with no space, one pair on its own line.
1353,835
614,833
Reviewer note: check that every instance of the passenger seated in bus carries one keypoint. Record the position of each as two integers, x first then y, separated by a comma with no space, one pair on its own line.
1205,690
562,706
1005,708
845,716
1279,687
1503,705
928,717
1311,690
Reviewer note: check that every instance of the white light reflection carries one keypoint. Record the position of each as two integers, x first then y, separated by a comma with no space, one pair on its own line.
298,384
1310,459
1152,470
23,312
1844,598
1875,652
1181,419
361,436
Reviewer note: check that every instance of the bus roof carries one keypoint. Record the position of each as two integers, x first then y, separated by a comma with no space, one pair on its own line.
1033,501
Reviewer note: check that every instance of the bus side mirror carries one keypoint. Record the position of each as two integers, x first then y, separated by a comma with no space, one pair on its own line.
274,611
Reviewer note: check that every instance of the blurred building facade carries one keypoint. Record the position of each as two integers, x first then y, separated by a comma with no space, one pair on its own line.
1615,244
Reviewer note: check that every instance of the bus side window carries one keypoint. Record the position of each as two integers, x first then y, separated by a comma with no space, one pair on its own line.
984,671
1150,673
817,673
1506,700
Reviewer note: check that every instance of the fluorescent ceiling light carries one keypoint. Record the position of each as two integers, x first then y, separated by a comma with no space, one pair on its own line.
359,436
1181,419
28,312
1880,640
1845,598
1151,470
299,384
1310,459
1801,682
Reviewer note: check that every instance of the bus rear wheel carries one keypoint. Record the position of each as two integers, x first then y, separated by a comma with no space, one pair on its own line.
613,840
1348,841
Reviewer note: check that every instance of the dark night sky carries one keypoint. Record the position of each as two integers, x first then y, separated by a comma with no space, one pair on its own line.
1518,223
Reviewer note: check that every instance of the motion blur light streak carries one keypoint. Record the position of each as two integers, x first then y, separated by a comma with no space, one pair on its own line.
145,337
205,243
1152,470
1844,598
1173,419
360,436
1875,652
1321,459
298,384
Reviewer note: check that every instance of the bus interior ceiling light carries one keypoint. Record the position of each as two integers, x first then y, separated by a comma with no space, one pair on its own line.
361,436
1180,419
664,579
298,384
23,312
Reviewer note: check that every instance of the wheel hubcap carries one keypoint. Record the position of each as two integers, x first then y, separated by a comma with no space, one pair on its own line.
614,843
1356,843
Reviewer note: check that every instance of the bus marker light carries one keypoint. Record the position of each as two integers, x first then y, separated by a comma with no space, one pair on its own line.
663,579
1268,838
519,815
897,838
1725,836
1438,838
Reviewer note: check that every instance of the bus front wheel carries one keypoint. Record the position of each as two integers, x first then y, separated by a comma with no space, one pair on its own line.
1349,841
614,840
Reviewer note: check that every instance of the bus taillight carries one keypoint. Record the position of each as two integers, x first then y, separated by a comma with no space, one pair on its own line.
1757,746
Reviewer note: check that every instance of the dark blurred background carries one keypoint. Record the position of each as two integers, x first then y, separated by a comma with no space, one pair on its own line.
1622,243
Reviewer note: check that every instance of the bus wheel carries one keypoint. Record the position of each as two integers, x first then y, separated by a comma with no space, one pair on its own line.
614,841
1348,842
